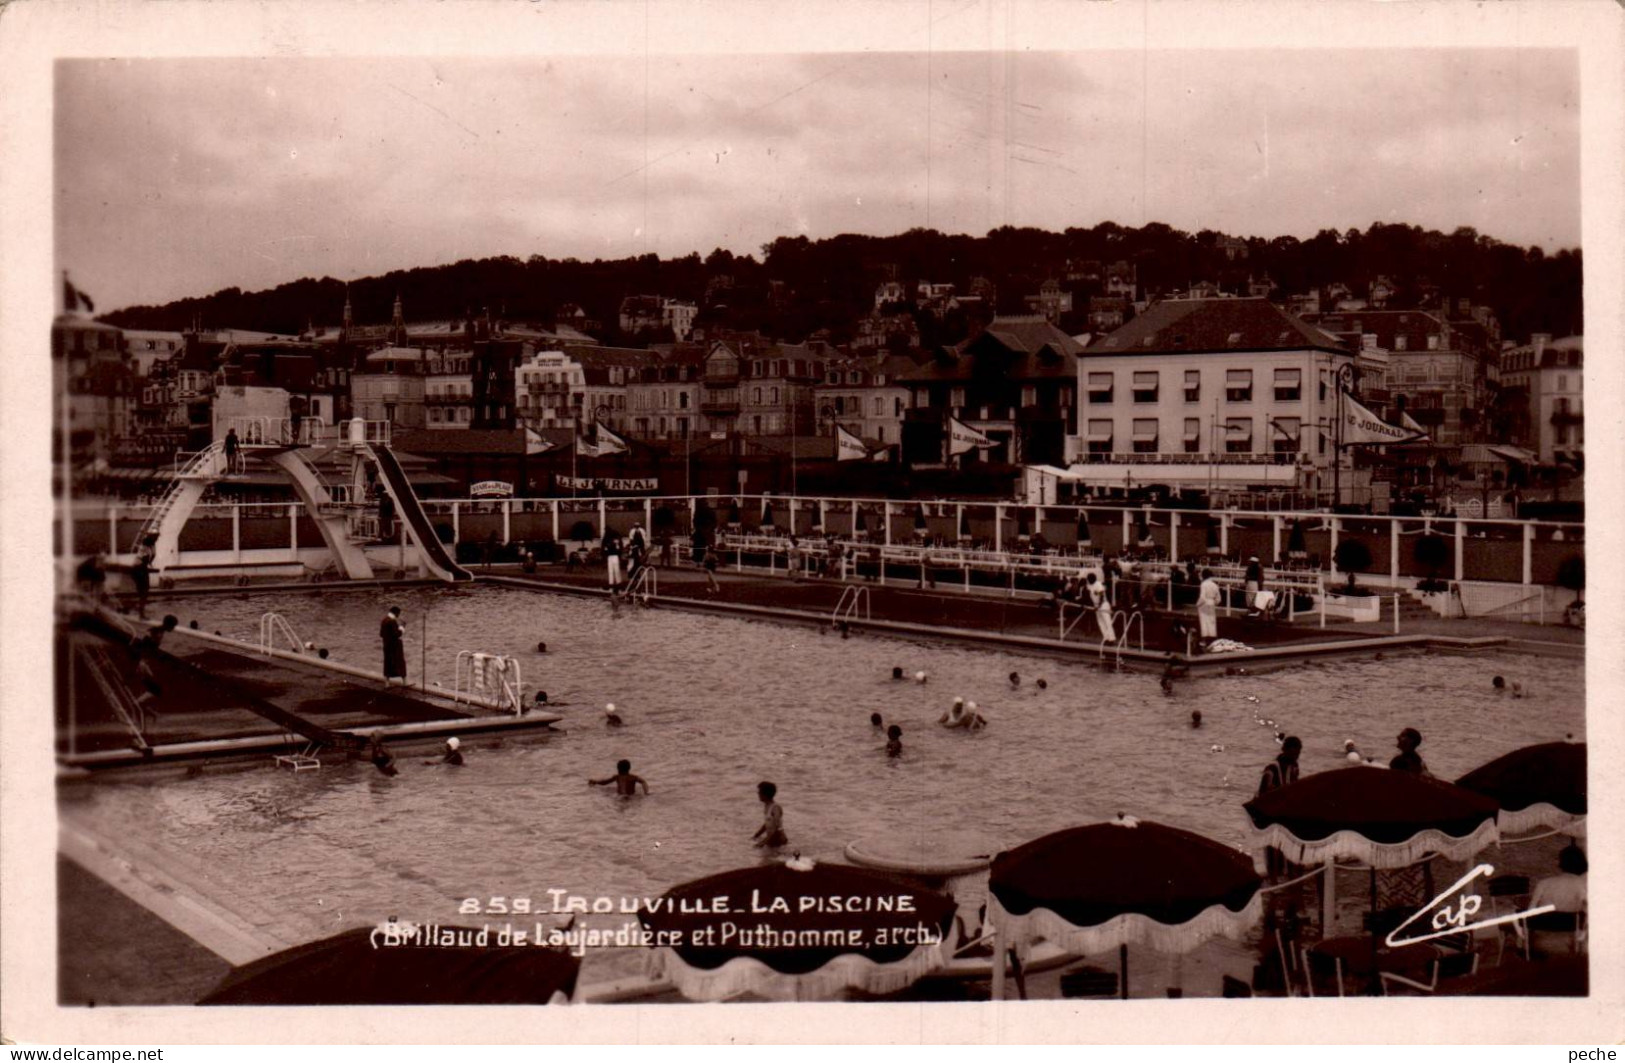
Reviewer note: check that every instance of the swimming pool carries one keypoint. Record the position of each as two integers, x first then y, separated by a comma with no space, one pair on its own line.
715,704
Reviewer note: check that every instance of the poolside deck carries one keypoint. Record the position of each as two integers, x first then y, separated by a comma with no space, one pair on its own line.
1015,621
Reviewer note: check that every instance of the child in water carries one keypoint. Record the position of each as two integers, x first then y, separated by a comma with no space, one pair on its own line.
770,835
383,759
894,742
876,721
626,784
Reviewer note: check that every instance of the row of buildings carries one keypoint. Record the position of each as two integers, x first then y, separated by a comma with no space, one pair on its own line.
1226,392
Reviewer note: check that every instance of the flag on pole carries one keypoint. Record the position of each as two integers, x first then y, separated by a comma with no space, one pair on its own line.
1361,426
609,442
962,437
584,448
848,447
1406,421
73,298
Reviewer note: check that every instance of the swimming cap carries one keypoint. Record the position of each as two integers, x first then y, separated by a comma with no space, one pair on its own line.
452,743
610,708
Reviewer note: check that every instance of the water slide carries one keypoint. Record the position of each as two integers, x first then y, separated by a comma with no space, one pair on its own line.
433,551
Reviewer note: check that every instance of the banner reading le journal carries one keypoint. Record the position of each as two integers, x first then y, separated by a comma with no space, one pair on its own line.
587,483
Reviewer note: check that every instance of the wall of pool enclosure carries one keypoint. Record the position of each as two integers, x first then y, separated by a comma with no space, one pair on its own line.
1489,551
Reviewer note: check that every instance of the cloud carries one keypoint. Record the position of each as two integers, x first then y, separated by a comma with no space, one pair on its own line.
179,177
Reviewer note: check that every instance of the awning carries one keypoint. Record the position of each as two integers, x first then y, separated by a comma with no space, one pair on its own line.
1145,379
1511,453
1145,430
1239,430
1193,431
1100,433
1288,377
1100,381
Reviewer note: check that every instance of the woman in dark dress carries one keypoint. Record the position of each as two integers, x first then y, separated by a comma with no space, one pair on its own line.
394,648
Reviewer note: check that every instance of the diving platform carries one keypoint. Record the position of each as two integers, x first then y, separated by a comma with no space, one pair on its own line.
346,514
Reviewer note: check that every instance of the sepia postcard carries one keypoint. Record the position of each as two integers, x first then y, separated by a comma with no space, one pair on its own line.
999,520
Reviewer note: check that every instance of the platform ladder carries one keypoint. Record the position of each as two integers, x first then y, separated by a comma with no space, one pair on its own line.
205,463
1129,622
274,624
126,705
644,586
490,678
852,598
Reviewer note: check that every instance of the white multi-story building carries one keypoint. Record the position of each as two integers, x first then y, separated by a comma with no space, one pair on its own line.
679,317
1226,394
1551,374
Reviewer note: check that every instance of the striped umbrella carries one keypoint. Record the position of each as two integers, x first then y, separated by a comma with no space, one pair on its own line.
797,930
1536,786
1126,882
404,964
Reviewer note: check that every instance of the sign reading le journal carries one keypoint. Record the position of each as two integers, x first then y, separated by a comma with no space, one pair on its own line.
621,485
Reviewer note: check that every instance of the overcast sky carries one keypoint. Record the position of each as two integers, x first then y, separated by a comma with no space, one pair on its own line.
178,177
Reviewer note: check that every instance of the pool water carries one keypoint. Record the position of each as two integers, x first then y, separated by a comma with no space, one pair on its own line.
714,704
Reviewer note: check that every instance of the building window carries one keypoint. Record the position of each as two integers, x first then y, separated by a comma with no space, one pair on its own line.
1433,343
1193,435
1562,382
880,433
1400,343
1238,385
1288,385
1238,435
757,419
1145,386
682,400
1100,437
434,414
880,406
1100,388
956,397
756,396
1284,433
1193,385
773,396
1145,435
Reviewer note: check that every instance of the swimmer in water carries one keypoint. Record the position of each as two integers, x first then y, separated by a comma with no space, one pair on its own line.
770,835
977,720
919,677
626,784
453,754
875,721
383,759
955,716
1196,718
894,742
611,717
1500,684
1015,679
896,672
1351,753
1517,689
1042,685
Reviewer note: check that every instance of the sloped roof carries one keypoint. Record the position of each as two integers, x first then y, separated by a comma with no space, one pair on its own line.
1387,325
1181,326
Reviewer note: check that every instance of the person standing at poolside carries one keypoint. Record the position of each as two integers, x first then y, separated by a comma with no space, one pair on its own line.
612,559
1207,606
141,572
710,565
1254,582
393,636
770,835
1101,603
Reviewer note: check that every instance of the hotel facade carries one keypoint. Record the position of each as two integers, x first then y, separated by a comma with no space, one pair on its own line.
1220,395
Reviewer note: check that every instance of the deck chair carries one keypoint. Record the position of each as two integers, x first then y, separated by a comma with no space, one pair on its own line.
1550,928
1327,971
1508,894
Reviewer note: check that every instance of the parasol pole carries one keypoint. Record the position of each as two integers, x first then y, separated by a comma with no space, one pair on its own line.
998,966
1328,898
423,651
1122,970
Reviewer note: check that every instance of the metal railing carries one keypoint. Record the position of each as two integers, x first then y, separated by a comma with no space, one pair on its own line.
644,586
847,607
488,676
274,624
